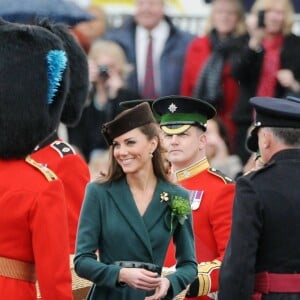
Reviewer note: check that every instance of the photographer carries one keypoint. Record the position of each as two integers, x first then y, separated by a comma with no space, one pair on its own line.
108,70
269,64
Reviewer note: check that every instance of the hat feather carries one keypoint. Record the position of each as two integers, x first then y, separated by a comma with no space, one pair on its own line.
57,62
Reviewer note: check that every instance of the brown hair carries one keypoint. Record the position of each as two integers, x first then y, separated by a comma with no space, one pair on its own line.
115,172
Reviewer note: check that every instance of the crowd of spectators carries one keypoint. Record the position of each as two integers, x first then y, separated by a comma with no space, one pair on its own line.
223,65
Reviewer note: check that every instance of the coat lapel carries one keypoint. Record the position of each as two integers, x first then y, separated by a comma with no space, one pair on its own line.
156,209
123,200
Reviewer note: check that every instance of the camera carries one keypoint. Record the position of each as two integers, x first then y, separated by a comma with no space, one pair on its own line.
103,71
261,19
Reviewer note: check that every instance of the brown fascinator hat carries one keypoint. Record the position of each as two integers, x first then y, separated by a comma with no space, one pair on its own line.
127,120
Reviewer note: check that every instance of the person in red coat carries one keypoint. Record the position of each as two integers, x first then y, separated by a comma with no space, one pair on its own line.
57,154
34,241
71,168
183,121
207,67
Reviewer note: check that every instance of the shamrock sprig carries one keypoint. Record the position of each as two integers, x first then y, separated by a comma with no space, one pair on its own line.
180,207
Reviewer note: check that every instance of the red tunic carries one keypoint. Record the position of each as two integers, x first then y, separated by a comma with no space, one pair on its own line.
74,173
33,229
196,57
212,211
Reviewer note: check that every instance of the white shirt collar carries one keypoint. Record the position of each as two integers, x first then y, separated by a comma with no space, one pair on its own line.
160,35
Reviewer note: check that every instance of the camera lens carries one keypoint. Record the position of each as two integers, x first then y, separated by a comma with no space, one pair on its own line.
103,71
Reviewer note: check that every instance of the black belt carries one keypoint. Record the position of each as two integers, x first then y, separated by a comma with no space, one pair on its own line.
138,264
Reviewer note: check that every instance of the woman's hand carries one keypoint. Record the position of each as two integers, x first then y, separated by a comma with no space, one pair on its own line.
286,79
114,83
161,291
139,279
256,33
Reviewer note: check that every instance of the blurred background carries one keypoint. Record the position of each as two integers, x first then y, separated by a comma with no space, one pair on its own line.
187,14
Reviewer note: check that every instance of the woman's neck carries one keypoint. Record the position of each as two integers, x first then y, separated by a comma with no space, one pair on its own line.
142,189
271,35
141,182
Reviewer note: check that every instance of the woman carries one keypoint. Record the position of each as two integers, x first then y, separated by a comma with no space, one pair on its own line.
269,64
207,69
218,150
108,69
130,216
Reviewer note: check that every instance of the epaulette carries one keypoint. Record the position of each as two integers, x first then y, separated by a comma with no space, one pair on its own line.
62,148
49,174
221,175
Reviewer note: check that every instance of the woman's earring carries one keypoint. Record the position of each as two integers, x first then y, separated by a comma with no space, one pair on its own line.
151,155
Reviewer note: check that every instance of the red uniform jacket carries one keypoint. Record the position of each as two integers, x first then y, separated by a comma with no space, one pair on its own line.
212,200
196,57
33,229
74,173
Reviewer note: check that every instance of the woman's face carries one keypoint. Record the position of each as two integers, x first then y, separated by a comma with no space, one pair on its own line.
133,151
224,17
274,18
110,62
213,139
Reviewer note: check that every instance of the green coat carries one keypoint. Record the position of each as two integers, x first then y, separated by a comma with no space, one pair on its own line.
110,222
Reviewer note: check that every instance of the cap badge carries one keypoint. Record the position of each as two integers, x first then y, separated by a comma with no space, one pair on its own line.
172,107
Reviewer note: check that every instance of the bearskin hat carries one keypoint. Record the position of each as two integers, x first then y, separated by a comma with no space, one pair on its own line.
36,82
79,83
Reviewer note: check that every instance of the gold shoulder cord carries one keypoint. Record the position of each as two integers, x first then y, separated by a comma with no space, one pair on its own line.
49,174
204,271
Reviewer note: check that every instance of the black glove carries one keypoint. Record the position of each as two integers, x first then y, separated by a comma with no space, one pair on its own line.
193,289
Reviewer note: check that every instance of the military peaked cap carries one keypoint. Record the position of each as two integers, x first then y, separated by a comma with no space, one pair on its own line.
178,113
273,112
276,112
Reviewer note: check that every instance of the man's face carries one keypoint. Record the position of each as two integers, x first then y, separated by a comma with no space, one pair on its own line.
186,148
264,137
149,13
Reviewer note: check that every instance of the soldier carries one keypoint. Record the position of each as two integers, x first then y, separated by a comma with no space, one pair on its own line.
56,153
262,258
60,156
183,121
34,241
